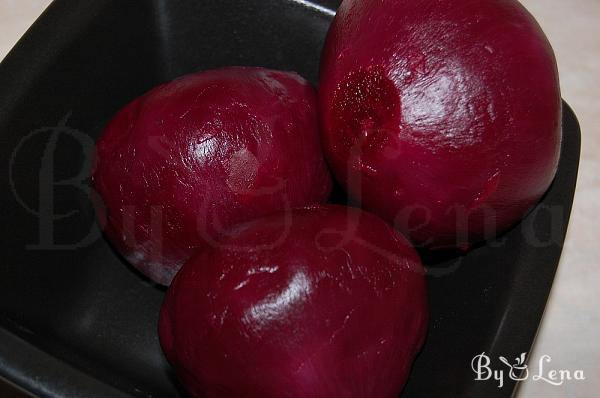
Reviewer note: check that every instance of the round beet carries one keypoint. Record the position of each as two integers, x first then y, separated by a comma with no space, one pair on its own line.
318,302
443,117
192,157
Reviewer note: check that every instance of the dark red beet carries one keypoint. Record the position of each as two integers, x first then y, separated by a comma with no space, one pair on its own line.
443,117
197,155
318,302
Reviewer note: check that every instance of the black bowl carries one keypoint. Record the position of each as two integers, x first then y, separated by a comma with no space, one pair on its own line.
75,321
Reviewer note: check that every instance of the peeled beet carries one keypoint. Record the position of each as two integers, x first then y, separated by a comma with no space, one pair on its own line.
192,157
325,301
443,117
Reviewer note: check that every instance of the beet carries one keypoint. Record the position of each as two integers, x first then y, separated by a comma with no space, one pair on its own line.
326,301
442,117
193,157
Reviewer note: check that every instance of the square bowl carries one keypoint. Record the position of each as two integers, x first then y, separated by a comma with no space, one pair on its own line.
75,321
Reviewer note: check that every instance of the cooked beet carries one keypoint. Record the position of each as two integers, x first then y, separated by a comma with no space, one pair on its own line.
443,117
325,301
192,157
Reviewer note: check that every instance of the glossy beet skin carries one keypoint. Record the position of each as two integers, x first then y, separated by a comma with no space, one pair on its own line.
443,117
195,156
319,302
